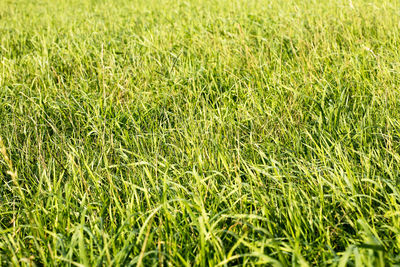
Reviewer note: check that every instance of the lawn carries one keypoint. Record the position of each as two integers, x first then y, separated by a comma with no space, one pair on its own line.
199,132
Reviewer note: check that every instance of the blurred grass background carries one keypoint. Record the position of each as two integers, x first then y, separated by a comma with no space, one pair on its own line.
179,133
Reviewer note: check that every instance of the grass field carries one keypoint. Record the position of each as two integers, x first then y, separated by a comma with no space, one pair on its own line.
199,132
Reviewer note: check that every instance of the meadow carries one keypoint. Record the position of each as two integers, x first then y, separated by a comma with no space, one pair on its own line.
199,133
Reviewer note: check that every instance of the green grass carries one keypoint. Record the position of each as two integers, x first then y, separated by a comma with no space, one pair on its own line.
199,132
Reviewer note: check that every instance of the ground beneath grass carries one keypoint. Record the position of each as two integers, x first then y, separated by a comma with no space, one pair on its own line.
180,133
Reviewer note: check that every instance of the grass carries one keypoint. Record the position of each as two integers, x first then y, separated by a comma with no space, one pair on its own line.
179,133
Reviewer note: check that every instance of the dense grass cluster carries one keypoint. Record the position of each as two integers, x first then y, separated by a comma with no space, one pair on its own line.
199,132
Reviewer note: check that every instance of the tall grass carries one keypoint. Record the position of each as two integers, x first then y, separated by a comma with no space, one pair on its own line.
180,133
